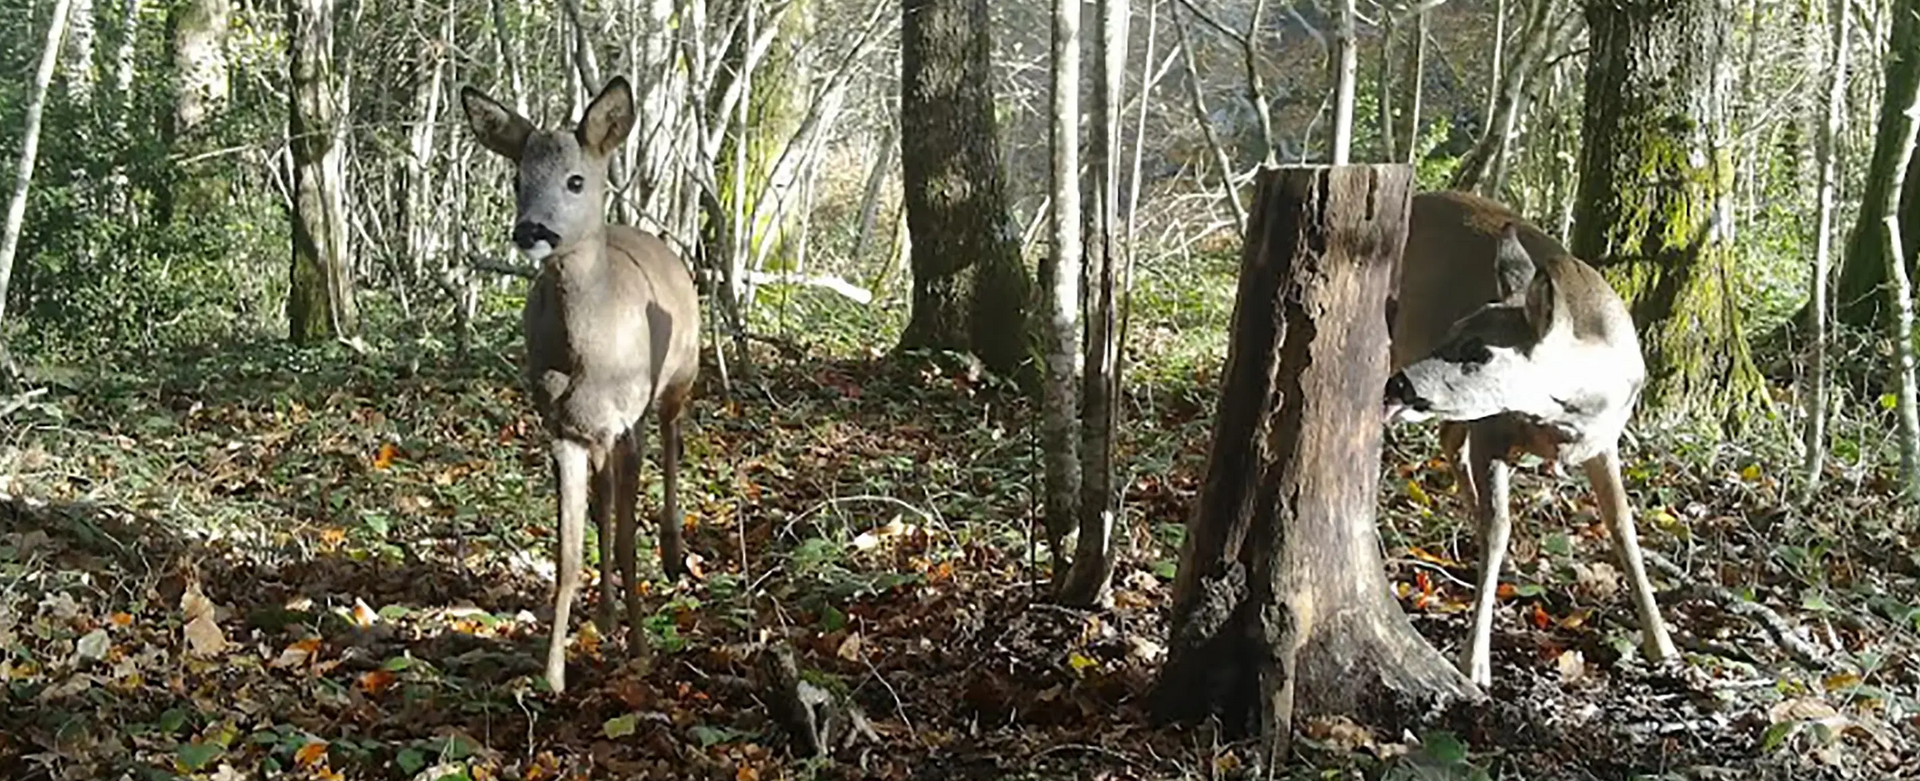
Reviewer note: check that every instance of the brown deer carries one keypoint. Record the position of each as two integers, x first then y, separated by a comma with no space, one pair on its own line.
1518,347
612,329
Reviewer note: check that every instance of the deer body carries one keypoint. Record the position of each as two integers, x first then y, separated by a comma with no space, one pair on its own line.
1517,347
611,326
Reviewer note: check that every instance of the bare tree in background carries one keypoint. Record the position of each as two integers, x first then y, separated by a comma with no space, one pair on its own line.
1816,433
1059,279
1347,69
1093,557
320,299
29,151
1904,104
970,288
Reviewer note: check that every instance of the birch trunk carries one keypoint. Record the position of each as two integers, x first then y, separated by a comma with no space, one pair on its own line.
29,148
1060,282
1816,433
1349,59
1901,291
1091,576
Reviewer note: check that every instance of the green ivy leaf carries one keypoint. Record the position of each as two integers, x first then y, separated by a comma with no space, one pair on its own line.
193,757
620,726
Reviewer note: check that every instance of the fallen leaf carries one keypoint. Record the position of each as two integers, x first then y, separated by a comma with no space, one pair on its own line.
92,647
311,754
1540,618
620,726
1080,662
204,637
746,773
376,681
363,615
1572,665
384,458
849,648
121,619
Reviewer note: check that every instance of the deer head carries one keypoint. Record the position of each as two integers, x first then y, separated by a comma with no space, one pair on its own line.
560,182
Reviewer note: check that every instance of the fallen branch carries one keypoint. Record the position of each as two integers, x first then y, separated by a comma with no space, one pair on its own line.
857,294
1778,628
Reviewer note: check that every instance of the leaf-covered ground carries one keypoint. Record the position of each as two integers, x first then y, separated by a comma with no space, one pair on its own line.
261,562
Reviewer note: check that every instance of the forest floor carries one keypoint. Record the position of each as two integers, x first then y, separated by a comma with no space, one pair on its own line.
263,562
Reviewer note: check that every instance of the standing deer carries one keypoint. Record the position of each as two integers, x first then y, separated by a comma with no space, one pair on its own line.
612,329
1518,347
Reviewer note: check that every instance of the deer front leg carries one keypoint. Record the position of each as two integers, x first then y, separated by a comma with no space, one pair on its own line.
1490,476
1603,471
673,550
626,497
1453,444
601,507
572,472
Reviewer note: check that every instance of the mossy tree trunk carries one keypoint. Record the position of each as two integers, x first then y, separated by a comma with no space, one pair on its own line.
320,299
1654,180
1281,603
970,287
1860,298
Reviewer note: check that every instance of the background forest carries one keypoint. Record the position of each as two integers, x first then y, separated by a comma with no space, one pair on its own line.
273,501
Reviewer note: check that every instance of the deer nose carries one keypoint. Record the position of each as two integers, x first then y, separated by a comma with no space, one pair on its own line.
1400,389
527,233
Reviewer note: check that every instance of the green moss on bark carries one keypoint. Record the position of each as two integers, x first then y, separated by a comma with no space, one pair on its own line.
1653,176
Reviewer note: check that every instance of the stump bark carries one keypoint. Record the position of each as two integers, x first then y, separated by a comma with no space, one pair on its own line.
1281,603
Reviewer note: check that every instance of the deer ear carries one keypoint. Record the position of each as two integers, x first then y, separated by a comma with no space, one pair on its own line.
1513,268
608,119
497,127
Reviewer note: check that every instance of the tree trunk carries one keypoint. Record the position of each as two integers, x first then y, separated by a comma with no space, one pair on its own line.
1816,433
970,288
200,62
320,299
1654,183
1384,93
1859,300
1060,298
1900,293
1088,582
1281,603
76,54
1347,64
29,150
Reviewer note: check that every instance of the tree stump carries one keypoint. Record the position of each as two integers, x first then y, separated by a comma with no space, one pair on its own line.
1281,601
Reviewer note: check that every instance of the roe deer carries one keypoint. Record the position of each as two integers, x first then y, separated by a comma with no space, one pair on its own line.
612,329
1518,347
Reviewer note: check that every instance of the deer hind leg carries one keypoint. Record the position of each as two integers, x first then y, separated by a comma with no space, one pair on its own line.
673,550
573,472
626,498
1490,477
1603,471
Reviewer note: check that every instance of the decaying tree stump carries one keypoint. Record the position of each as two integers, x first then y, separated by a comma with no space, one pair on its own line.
1282,602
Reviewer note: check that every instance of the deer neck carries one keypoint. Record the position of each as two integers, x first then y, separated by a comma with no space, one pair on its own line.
582,260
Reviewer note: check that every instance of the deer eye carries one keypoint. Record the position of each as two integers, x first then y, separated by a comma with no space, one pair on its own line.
576,183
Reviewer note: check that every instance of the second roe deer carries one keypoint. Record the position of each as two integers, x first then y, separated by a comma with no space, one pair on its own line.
612,330
1519,347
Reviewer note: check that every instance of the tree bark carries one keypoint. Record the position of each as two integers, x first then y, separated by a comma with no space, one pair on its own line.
1900,293
1816,432
200,62
1060,299
76,54
1281,604
1347,64
970,288
1654,182
320,298
1088,582
1859,300
29,151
